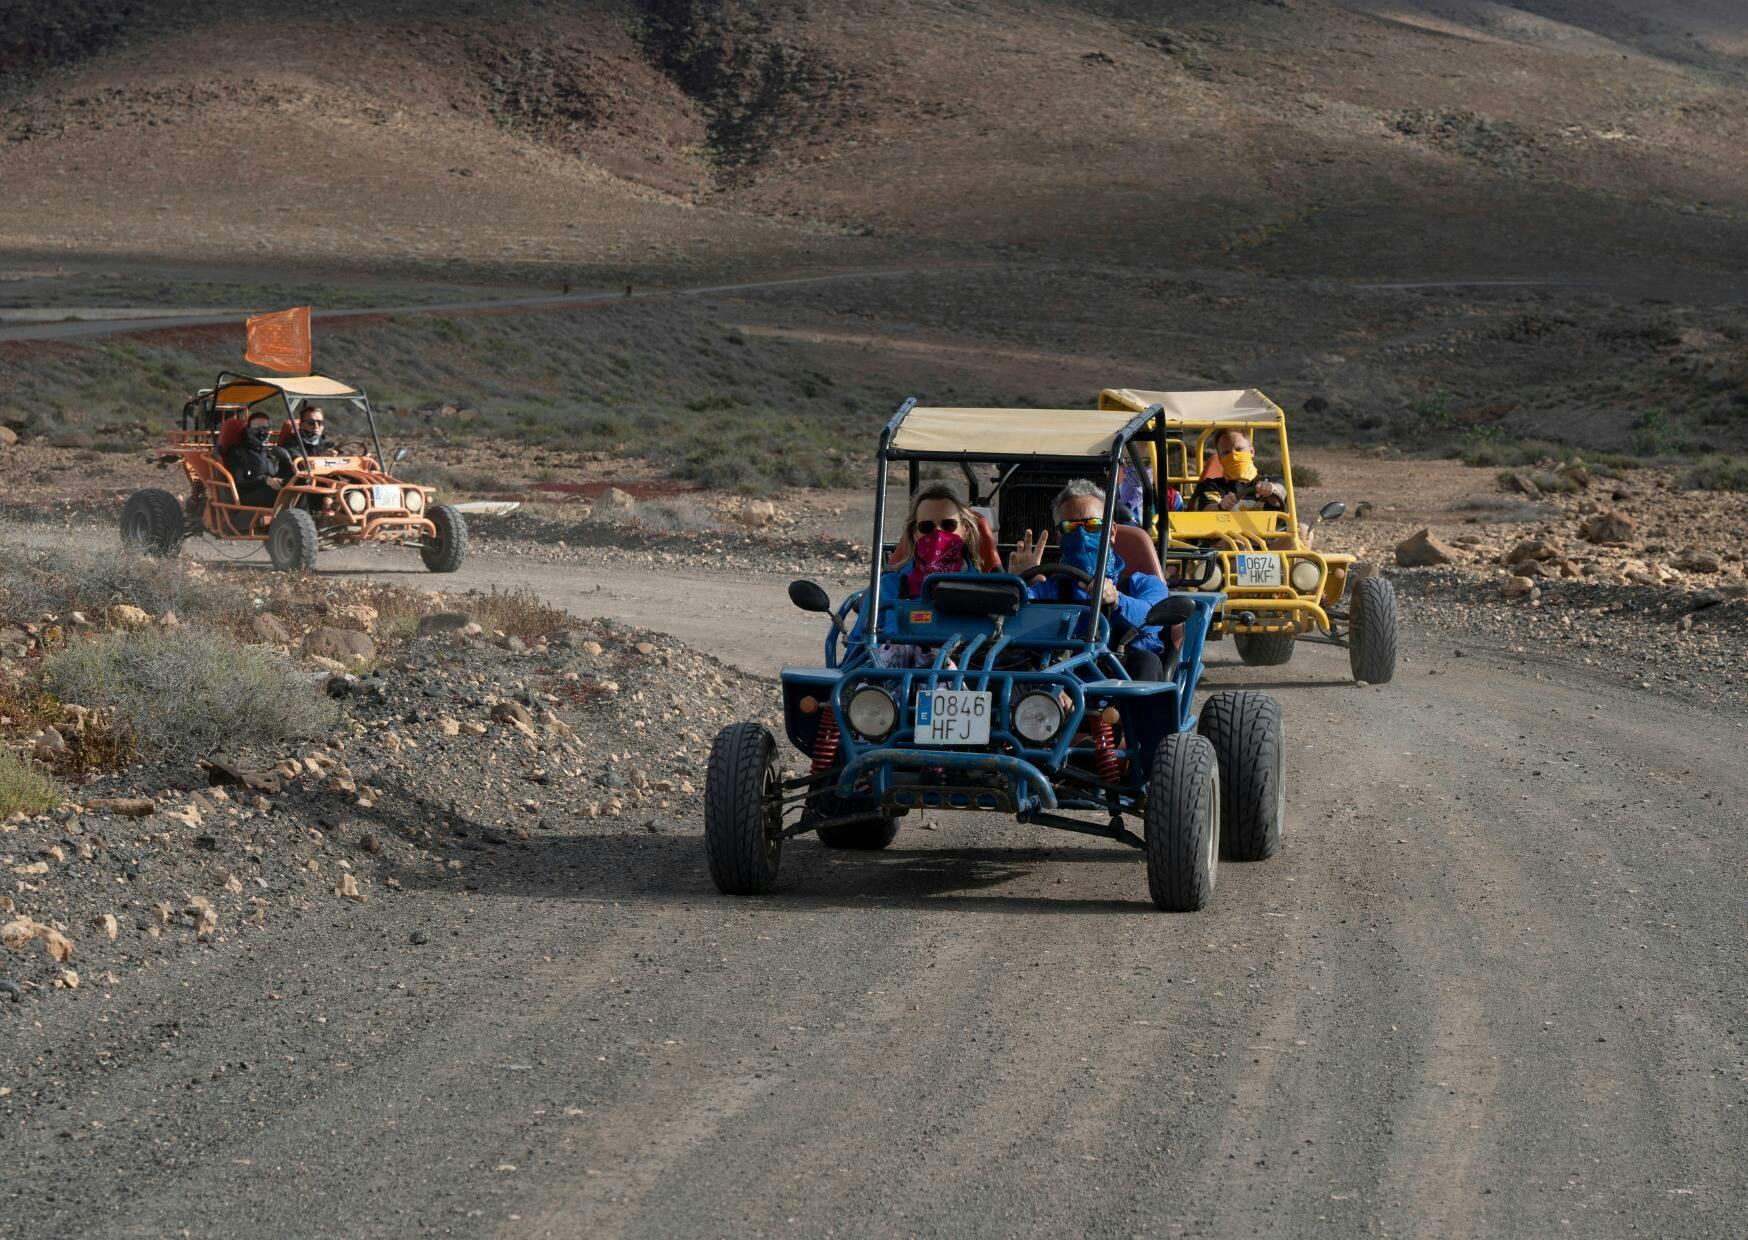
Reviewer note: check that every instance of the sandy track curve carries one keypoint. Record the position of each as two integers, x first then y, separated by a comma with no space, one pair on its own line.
1493,986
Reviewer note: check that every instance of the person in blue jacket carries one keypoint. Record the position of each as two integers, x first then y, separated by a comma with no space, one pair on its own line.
1129,596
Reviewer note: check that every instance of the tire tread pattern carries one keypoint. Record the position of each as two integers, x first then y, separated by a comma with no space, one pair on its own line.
302,538
742,861
1245,729
450,549
1183,806
163,516
1372,641
1265,649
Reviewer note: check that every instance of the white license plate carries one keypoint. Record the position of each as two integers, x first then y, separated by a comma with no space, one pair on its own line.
385,497
952,717
1256,570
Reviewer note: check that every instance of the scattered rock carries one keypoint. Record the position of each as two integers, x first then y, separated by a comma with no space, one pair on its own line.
130,807
1698,560
1523,484
341,645
1422,550
360,617
516,715
1612,526
8,437
51,744
222,772
418,938
440,622
109,925
127,616
1532,549
1518,587
270,630
616,499
349,890
1363,509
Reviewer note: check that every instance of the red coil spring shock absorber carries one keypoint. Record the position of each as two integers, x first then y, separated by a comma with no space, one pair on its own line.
825,741
1105,752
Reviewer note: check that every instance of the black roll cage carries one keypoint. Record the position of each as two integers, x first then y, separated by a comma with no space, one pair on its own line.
1121,442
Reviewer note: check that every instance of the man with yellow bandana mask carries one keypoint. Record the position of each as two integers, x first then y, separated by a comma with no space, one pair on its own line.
1238,485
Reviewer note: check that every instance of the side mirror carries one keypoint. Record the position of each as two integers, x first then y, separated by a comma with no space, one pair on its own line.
402,454
1170,611
809,596
1330,511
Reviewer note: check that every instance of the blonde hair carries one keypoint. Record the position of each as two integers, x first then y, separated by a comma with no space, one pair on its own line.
970,527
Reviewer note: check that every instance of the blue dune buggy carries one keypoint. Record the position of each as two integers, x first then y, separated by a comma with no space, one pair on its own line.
1020,706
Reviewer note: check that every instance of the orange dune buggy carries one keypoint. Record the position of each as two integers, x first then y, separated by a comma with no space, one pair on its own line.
329,501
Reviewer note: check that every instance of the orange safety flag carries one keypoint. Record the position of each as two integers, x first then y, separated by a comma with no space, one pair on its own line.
281,341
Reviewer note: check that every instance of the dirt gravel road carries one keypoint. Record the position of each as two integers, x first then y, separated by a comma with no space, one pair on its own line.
1494,986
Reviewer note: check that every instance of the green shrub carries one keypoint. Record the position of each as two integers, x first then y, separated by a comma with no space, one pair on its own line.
24,789
184,694
1718,473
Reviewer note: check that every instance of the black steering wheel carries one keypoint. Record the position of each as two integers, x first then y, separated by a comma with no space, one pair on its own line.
351,447
1067,572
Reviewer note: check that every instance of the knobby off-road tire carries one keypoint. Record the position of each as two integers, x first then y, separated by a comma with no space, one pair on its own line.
1183,823
151,521
1371,650
876,832
742,814
1245,730
450,549
1265,649
291,541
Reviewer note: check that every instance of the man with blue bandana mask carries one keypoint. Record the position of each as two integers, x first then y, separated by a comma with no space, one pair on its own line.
1128,597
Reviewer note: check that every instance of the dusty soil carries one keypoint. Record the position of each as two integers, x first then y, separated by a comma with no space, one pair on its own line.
1504,912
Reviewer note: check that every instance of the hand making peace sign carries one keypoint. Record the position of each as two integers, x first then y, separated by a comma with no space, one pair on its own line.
1027,553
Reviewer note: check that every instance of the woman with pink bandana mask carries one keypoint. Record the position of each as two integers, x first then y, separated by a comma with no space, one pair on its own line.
941,535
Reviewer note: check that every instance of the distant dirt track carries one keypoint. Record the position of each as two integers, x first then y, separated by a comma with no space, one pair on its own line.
1493,986
159,323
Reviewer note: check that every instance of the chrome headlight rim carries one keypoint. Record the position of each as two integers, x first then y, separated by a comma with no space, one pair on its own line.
1304,576
879,724
1028,725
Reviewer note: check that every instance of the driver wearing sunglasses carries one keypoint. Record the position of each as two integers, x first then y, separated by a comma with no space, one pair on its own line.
311,429
1128,597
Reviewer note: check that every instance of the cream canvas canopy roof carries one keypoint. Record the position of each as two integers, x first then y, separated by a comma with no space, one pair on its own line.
247,389
1237,405
1011,432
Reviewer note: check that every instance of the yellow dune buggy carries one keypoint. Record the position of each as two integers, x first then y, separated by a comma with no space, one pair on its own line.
1278,590
329,501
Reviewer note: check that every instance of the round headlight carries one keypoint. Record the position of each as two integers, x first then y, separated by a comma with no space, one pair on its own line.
1305,576
1038,716
355,501
413,498
873,714
1215,578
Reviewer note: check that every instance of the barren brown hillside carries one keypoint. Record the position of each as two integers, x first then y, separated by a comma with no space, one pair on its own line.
1380,137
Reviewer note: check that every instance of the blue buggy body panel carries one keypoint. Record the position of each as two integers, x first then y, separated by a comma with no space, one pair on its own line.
1038,648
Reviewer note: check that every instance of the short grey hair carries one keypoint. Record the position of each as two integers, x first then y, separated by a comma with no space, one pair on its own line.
1078,488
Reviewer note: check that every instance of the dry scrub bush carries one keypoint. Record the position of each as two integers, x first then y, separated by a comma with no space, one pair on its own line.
183,694
519,613
23,788
44,581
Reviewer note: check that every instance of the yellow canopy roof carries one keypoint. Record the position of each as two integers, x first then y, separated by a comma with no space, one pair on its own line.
1237,405
1011,432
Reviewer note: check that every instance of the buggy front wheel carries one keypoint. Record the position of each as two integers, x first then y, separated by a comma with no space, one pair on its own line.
870,834
1371,650
152,522
1183,823
743,810
1245,729
1265,649
445,552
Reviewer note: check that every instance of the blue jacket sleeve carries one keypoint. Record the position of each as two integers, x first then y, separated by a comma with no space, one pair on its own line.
1144,591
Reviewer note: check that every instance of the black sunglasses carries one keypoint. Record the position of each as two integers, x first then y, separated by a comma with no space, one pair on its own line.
949,525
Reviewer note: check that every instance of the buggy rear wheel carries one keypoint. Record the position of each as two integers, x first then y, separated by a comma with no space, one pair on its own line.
1183,823
743,810
1265,649
291,541
1371,640
449,549
1245,729
152,522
